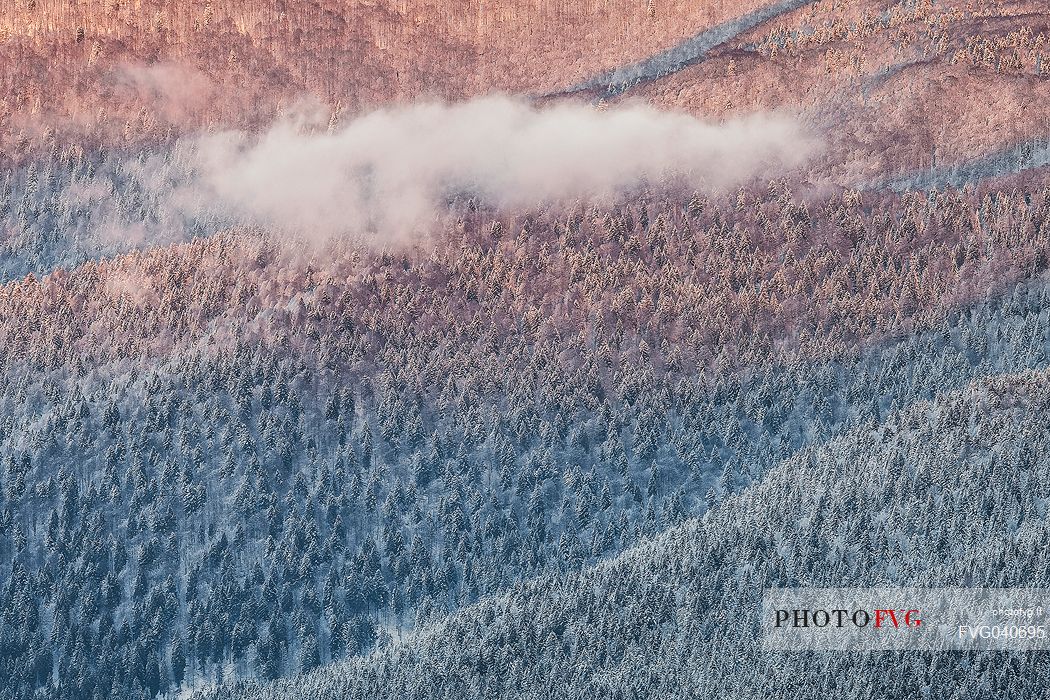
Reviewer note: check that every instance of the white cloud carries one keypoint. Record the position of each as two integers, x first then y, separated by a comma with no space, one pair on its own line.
387,173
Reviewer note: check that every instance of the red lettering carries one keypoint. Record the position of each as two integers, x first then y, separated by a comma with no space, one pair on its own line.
880,615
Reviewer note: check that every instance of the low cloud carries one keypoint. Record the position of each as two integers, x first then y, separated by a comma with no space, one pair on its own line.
388,176
174,90
389,173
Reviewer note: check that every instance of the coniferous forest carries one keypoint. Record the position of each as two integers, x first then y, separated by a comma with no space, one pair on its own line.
279,420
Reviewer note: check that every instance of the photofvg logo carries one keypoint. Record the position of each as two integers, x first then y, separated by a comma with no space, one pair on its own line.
881,617
870,619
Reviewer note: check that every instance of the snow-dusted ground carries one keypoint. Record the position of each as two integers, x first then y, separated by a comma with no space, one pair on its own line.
684,54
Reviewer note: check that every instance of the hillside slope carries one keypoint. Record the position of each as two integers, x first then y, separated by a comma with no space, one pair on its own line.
951,492
894,87
114,70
